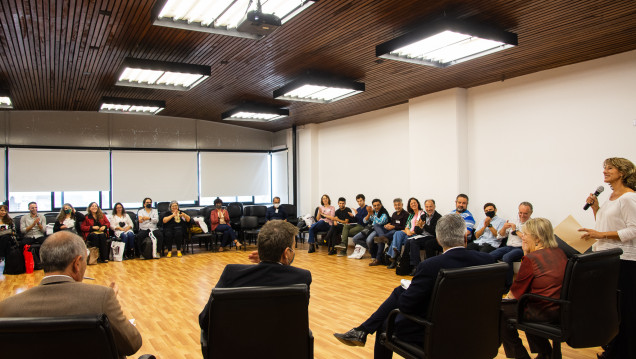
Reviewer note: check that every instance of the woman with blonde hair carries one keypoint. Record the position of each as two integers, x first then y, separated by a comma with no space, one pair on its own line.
616,228
541,272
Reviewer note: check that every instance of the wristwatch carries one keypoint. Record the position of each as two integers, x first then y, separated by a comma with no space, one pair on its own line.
490,225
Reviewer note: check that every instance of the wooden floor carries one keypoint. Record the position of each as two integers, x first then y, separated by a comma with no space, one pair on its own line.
165,296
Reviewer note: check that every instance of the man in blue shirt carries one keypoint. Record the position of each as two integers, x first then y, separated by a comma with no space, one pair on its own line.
361,217
487,233
461,205
275,212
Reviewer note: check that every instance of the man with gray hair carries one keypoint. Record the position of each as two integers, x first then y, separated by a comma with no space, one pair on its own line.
62,293
414,300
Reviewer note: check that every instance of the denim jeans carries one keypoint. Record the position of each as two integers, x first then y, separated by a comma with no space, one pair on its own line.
320,226
399,238
129,239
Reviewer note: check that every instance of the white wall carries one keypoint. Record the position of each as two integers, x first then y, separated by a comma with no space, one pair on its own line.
539,138
543,137
367,153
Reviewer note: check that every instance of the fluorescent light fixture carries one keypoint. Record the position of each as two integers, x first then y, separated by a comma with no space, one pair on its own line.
255,113
161,75
445,42
131,106
5,100
317,88
221,16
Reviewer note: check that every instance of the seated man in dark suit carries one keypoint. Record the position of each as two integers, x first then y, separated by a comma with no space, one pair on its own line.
62,293
276,242
275,212
451,235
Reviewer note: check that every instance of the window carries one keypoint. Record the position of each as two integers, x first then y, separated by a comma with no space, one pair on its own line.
19,201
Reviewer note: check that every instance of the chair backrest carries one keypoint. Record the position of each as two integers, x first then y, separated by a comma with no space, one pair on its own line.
291,211
249,222
235,210
260,212
276,327
192,212
205,213
591,316
163,207
63,337
464,309
50,217
133,218
16,223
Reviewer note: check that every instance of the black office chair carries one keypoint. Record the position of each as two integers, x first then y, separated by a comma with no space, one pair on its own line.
205,238
235,211
249,229
50,218
163,207
279,330
292,213
258,211
589,314
133,218
462,319
71,337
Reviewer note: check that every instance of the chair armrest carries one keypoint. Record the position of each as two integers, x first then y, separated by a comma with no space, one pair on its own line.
390,324
523,301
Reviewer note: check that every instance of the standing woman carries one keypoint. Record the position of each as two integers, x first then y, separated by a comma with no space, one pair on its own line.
69,220
95,230
324,221
220,222
616,228
122,225
7,230
175,227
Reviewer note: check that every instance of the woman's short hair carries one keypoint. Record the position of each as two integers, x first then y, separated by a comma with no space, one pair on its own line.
60,249
626,167
171,203
328,199
218,200
273,238
541,229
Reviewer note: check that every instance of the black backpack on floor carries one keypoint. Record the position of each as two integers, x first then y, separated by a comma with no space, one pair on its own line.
146,248
14,260
404,263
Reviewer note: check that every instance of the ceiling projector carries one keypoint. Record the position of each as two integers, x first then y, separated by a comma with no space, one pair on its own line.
257,23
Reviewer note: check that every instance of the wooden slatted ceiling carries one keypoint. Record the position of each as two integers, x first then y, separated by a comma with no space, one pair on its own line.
64,55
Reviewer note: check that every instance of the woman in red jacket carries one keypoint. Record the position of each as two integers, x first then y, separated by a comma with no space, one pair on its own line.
95,230
220,222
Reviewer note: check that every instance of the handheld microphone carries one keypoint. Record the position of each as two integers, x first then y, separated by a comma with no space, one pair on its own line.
598,191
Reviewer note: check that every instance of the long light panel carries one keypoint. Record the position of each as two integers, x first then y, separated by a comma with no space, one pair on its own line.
161,75
222,16
131,106
445,42
316,88
255,113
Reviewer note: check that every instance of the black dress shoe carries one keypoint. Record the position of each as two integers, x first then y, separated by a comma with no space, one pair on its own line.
355,338
393,264
332,251
413,271
312,248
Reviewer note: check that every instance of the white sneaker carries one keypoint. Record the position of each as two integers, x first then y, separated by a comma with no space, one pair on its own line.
361,252
356,250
